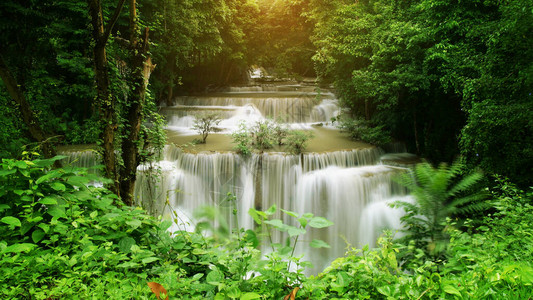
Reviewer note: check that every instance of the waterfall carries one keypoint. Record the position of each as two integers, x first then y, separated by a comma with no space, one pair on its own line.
350,184
298,108
81,159
344,195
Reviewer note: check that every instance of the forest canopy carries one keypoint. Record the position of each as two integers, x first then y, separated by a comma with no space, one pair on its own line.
448,78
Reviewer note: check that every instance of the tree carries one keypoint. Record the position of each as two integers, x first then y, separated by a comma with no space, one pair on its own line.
26,111
141,67
205,123
106,102
137,67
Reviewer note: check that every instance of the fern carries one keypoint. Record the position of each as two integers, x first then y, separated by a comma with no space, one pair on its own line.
439,193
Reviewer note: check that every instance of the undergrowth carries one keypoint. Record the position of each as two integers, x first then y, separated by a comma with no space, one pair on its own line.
62,237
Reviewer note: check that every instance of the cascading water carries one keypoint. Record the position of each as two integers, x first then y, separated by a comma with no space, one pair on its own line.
350,186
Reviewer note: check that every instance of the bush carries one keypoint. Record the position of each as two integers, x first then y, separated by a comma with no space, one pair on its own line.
366,131
264,135
296,141
242,139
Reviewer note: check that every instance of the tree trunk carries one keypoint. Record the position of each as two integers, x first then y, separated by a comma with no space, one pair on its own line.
105,101
170,87
142,67
28,116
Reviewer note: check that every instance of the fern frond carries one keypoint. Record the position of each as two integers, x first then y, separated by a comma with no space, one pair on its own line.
465,183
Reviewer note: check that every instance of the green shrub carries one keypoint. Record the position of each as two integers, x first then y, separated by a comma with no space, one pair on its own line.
64,238
363,130
296,141
264,135
242,139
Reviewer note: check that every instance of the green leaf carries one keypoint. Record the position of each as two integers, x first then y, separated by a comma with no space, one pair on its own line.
56,211
44,227
319,222
233,292
17,248
450,289
214,277
277,223
149,260
37,235
7,172
303,222
78,180
197,276
58,186
125,244
48,201
249,296
21,164
293,231
11,221
319,244
290,213
385,290
48,162
253,213
307,216
4,207
285,251
134,223
128,264
48,176
271,210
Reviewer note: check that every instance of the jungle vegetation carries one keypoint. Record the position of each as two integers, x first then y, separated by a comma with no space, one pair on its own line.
451,79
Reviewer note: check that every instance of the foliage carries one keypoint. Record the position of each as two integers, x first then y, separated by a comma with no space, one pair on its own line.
242,139
280,41
63,238
441,76
362,130
266,134
205,124
46,47
439,193
296,141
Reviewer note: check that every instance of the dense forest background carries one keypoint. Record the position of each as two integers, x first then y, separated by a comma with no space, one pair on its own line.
448,78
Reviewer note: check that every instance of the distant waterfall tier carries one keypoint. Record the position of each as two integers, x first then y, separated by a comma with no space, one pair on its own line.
234,107
80,158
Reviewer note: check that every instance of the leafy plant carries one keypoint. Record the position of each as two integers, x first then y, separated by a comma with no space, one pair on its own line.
242,139
266,134
438,193
296,140
62,237
263,135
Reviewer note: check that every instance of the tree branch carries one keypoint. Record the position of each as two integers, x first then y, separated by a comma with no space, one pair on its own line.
113,20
